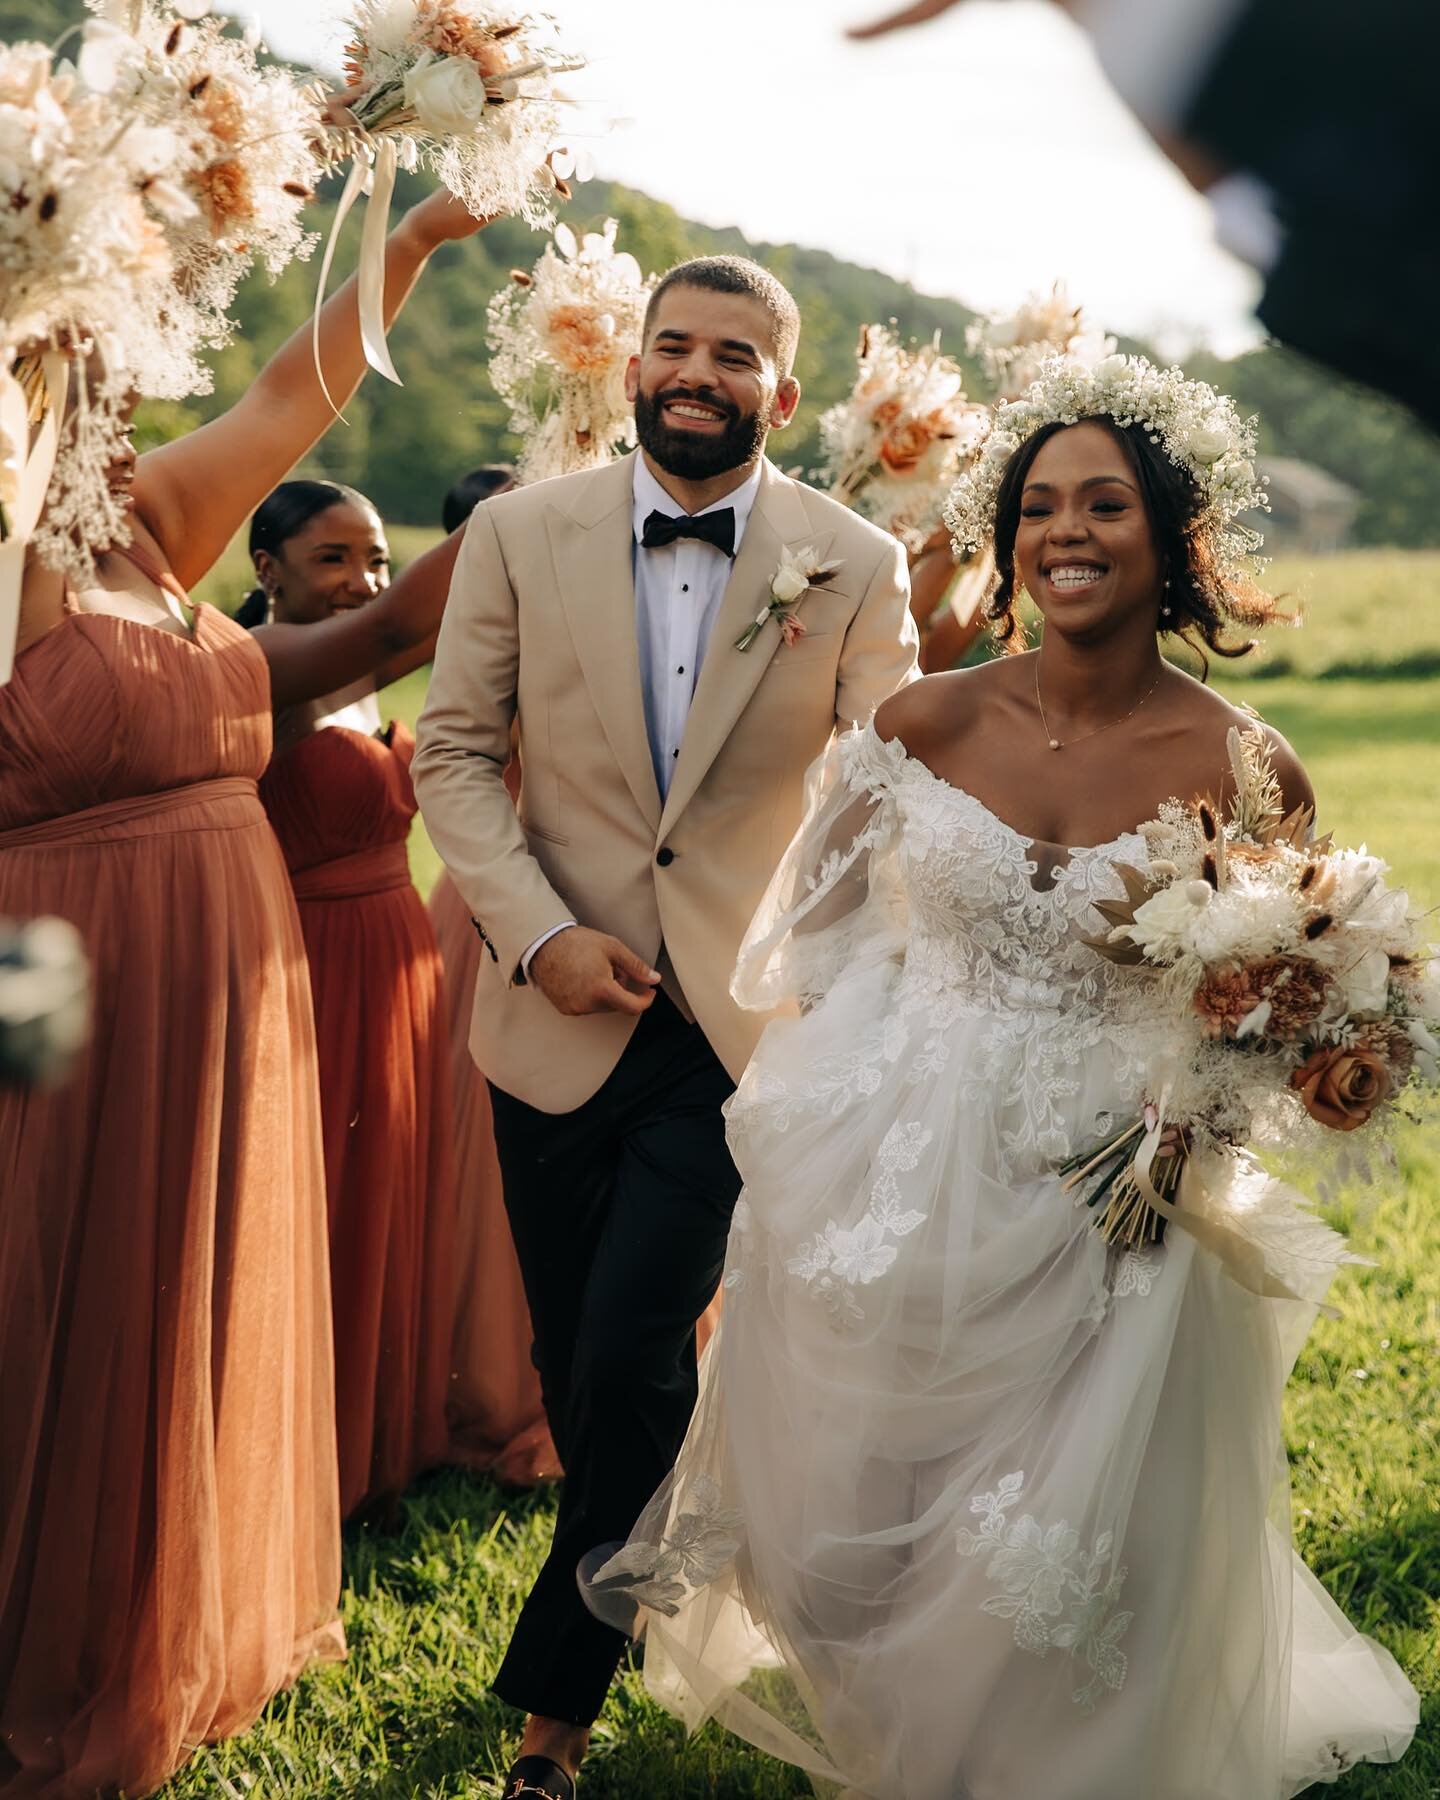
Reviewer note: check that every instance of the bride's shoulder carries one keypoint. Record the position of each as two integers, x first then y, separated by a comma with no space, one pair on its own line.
940,709
1199,709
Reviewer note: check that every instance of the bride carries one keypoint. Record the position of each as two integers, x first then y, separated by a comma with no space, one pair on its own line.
975,1507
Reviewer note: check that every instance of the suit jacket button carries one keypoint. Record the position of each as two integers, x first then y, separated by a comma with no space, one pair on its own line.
665,857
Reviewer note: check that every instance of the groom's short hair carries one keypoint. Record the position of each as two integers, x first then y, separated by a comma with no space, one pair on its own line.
738,275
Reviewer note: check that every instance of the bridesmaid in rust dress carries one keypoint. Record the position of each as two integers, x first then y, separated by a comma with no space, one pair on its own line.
339,797
169,1516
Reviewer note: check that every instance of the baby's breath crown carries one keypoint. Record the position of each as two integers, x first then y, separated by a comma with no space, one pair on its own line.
1197,428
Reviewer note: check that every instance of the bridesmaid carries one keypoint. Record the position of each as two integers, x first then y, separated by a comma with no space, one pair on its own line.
338,795
169,1520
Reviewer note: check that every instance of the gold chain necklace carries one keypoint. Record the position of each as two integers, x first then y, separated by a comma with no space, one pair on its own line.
1055,743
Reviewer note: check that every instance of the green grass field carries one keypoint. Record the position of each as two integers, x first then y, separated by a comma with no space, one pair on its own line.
428,1607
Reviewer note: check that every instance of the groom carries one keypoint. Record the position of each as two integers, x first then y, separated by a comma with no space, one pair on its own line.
663,778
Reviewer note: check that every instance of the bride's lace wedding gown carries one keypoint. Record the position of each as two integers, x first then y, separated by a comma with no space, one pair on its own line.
974,1508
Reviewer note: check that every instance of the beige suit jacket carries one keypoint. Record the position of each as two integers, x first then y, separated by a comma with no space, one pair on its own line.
541,621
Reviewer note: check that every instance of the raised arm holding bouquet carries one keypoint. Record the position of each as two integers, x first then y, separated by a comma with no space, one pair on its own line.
461,87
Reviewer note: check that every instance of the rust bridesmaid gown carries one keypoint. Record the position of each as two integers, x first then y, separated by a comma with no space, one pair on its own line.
496,1416
341,805
169,1525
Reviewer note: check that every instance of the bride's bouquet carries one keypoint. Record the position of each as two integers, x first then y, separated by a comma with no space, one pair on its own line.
895,447
1279,990
560,339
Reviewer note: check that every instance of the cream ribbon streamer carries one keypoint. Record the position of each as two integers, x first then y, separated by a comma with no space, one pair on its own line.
379,182
1241,1258
35,463
372,262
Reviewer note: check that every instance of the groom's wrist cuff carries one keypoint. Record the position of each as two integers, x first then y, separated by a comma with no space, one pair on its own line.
528,957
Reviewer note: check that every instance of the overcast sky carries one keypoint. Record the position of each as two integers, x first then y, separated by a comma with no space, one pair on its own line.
980,157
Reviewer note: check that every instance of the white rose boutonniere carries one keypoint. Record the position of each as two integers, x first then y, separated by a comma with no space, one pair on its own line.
799,571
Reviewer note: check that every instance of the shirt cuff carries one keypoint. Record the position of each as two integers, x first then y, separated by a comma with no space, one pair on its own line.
545,938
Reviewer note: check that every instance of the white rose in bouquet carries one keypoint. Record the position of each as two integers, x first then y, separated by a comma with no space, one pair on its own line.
447,95
1366,984
1163,924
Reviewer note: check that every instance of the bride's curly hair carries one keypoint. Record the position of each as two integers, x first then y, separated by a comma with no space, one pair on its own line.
1205,603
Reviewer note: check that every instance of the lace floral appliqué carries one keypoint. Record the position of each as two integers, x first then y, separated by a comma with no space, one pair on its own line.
698,1546
1135,1273
838,1260
1051,1588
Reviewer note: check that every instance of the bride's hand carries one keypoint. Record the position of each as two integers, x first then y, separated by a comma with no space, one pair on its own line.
1175,1143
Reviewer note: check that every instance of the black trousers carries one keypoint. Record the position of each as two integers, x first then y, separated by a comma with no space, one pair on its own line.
620,1211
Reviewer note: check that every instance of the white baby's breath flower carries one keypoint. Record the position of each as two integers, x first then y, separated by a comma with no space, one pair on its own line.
388,24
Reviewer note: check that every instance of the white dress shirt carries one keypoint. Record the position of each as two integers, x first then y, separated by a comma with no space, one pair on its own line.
678,591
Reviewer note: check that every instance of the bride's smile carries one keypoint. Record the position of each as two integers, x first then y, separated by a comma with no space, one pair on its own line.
1084,546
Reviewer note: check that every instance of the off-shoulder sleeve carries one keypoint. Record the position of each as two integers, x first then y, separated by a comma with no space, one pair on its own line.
836,904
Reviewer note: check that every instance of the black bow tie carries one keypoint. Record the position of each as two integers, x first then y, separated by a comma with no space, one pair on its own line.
717,528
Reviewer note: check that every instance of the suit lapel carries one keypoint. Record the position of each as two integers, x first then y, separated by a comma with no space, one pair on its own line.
592,545
728,677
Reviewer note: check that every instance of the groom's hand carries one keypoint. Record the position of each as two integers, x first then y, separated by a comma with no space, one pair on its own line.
580,971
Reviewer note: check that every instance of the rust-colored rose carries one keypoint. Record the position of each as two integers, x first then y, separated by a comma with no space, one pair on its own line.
1341,1087
905,445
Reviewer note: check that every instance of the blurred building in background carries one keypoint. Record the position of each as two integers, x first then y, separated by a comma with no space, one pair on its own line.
1311,511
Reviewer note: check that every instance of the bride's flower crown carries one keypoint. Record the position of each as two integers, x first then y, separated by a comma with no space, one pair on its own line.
1197,428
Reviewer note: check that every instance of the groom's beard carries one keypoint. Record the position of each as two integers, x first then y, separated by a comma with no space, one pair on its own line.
689,456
